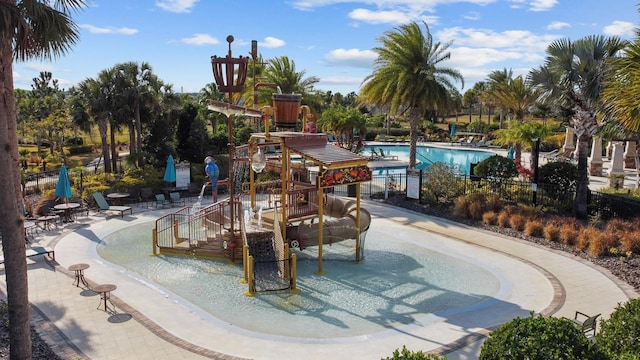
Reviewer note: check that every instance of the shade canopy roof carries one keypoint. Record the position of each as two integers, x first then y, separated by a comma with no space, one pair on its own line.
316,148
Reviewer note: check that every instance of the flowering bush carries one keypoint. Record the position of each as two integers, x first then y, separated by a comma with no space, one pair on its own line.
523,172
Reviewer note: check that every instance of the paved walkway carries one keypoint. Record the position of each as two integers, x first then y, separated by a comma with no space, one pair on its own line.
151,324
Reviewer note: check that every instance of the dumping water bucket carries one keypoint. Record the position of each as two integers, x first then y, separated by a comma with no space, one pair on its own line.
287,108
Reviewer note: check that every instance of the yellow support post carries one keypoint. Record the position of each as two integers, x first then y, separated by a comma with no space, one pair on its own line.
175,232
286,263
320,228
154,242
294,275
245,264
251,291
358,222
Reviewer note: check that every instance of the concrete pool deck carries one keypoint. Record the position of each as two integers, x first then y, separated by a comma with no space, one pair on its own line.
151,324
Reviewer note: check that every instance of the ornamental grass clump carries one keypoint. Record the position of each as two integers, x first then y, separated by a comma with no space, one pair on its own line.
601,242
551,231
586,236
503,219
569,233
534,227
630,242
517,222
489,218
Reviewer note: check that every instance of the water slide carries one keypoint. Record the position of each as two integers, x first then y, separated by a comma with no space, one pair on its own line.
339,223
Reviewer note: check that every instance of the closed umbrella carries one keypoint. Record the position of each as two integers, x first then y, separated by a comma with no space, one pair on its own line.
453,130
170,171
63,188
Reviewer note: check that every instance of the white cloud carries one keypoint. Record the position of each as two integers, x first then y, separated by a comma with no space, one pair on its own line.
473,15
475,57
542,5
340,80
271,42
520,40
351,57
108,30
200,39
418,6
557,25
619,28
380,17
176,6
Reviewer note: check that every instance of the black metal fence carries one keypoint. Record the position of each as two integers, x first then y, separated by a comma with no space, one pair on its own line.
601,205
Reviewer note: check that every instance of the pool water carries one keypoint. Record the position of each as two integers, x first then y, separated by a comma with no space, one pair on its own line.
458,158
398,284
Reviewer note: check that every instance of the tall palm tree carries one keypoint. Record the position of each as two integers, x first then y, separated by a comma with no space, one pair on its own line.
573,76
622,87
495,80
134,81
98,97
408,76
29,29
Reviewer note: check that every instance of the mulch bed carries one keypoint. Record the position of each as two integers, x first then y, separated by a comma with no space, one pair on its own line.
628,271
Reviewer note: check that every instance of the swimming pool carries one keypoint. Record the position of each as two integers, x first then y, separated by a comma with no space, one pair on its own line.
404,281
458,158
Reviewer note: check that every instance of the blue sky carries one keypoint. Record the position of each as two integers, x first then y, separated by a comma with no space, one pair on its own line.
330,39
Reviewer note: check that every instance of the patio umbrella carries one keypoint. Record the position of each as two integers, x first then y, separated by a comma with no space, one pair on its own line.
63,188
170,171
453,130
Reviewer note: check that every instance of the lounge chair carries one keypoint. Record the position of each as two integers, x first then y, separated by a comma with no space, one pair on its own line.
175,198
374,155
35,251
387,157
162,201
551,155
103,205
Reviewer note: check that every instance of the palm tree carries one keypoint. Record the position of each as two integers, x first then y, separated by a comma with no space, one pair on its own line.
30,29
408,76
97,97
495,80
134,82
206,94
573,76
622,87
281,71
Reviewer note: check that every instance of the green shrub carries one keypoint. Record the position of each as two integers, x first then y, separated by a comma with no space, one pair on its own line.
539,338
496,168
440,184
618,335
405,354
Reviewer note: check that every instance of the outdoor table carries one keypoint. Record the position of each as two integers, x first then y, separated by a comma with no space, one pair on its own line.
79,273
67,208
104,290
46,221
118,198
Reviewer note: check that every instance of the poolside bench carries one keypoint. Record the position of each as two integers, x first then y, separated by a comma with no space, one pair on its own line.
587,323
35,251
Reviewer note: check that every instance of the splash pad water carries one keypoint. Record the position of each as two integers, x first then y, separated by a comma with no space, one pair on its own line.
401,284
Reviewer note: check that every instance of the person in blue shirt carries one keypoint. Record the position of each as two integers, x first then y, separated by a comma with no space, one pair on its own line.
213,172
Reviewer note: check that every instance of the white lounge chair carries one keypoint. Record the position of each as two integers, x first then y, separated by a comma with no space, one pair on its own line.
104,205
551,155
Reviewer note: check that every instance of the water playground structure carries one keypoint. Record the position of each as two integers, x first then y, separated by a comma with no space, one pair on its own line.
266,224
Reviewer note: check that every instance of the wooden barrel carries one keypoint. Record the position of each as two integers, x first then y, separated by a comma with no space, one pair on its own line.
287,108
